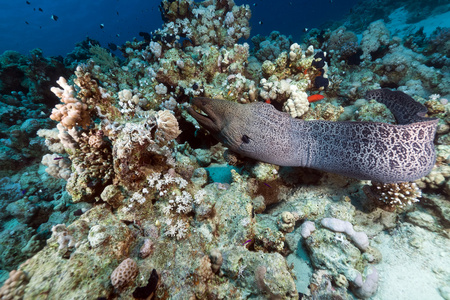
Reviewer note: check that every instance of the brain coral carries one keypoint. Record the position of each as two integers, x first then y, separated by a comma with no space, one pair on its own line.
124,273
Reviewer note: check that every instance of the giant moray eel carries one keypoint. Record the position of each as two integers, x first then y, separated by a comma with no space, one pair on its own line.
364,150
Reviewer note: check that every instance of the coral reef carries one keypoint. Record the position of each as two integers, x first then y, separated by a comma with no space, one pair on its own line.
215,23
269,48
133,198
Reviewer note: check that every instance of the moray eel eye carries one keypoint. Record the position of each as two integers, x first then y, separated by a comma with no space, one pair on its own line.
245,139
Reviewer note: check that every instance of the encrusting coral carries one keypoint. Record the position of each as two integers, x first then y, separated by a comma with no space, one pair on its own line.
14,286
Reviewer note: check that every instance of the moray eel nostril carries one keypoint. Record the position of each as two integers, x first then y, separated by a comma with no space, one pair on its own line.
364,150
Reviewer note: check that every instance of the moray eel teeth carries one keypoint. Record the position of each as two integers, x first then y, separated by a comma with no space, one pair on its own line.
364,150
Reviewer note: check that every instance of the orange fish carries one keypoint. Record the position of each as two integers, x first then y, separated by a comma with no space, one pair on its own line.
268,101
316,97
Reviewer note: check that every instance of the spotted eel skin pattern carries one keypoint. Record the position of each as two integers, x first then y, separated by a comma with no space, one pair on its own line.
364,150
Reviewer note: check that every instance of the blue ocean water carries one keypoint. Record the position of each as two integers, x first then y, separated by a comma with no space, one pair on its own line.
24,27
122,21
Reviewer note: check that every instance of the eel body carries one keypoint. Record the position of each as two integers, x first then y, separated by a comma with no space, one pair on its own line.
364,150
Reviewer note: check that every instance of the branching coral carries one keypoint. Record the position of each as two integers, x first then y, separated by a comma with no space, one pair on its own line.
375,36
102,57
291,75
73,112
92,163
215,22
58,167
391,196
267,49
287,91
180,201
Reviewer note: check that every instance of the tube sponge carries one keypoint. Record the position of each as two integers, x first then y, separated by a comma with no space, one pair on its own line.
366,289
360,239
73,112
307,228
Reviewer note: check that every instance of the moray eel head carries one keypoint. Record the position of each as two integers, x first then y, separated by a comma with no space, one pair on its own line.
219,117
208,118
243,128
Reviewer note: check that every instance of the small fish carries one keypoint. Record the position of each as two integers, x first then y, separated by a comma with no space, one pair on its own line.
117,12
316,97
268,101
28,2
58,158
246,242
267,184
255,4
54,17
78,212
23,192
117,35
112,46
305,29
27,23
147,36
40,9
260,22
102,26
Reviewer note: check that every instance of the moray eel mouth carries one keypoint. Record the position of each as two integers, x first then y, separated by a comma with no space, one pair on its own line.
202,110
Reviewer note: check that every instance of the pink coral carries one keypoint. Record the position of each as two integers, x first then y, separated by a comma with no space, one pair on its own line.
73,112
